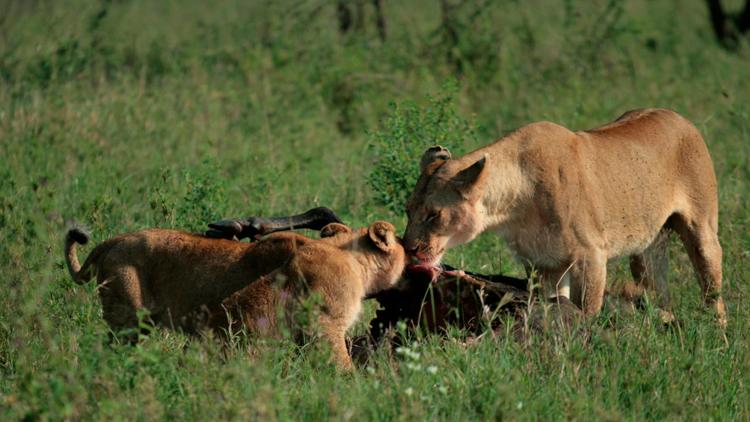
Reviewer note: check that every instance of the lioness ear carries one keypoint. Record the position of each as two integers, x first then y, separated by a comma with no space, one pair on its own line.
470,175
333,229
382,234
433,154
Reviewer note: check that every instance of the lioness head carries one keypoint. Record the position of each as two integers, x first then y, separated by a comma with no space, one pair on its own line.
443,209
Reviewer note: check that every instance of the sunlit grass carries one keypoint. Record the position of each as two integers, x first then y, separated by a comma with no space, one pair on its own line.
174,113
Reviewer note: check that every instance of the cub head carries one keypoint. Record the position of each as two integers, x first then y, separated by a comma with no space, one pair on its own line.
384,253
444,208
382,250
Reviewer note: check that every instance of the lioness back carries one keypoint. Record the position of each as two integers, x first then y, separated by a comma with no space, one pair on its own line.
649,162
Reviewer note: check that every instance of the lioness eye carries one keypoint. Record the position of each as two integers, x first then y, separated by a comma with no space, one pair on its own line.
432,216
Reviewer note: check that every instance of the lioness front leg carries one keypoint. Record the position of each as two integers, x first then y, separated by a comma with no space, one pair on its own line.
590,272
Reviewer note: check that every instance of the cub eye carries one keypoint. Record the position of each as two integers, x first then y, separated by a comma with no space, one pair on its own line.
432,216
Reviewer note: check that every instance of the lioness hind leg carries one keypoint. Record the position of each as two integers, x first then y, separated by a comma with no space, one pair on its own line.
702,244
651,269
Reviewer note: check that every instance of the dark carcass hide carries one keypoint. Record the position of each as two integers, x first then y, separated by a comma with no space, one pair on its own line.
468,301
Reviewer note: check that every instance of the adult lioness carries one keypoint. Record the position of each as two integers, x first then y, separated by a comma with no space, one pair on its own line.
567,202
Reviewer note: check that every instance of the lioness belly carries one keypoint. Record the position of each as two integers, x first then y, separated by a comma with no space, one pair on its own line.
634,190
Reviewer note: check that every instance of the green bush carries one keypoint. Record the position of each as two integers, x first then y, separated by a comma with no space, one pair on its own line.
406,132
189,199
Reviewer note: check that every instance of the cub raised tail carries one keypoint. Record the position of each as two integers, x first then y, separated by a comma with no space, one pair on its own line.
78,236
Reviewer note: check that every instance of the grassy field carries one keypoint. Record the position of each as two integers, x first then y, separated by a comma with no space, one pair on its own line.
131,114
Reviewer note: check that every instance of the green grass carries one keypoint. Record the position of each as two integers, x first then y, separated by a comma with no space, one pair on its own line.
131,114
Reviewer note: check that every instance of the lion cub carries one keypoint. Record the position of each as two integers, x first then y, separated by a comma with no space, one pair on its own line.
342,269
172,274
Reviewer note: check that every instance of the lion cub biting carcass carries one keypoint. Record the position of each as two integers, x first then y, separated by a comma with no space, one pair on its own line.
171,274
342,268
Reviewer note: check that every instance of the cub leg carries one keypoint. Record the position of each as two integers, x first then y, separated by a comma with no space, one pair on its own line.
650,269
702,244
334,332
120,296
590,273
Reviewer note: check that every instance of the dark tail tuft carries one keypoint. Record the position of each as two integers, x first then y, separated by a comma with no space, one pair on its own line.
79,235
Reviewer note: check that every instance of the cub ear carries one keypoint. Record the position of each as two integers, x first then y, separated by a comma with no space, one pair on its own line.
469,176
432,155
333,229
382,234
